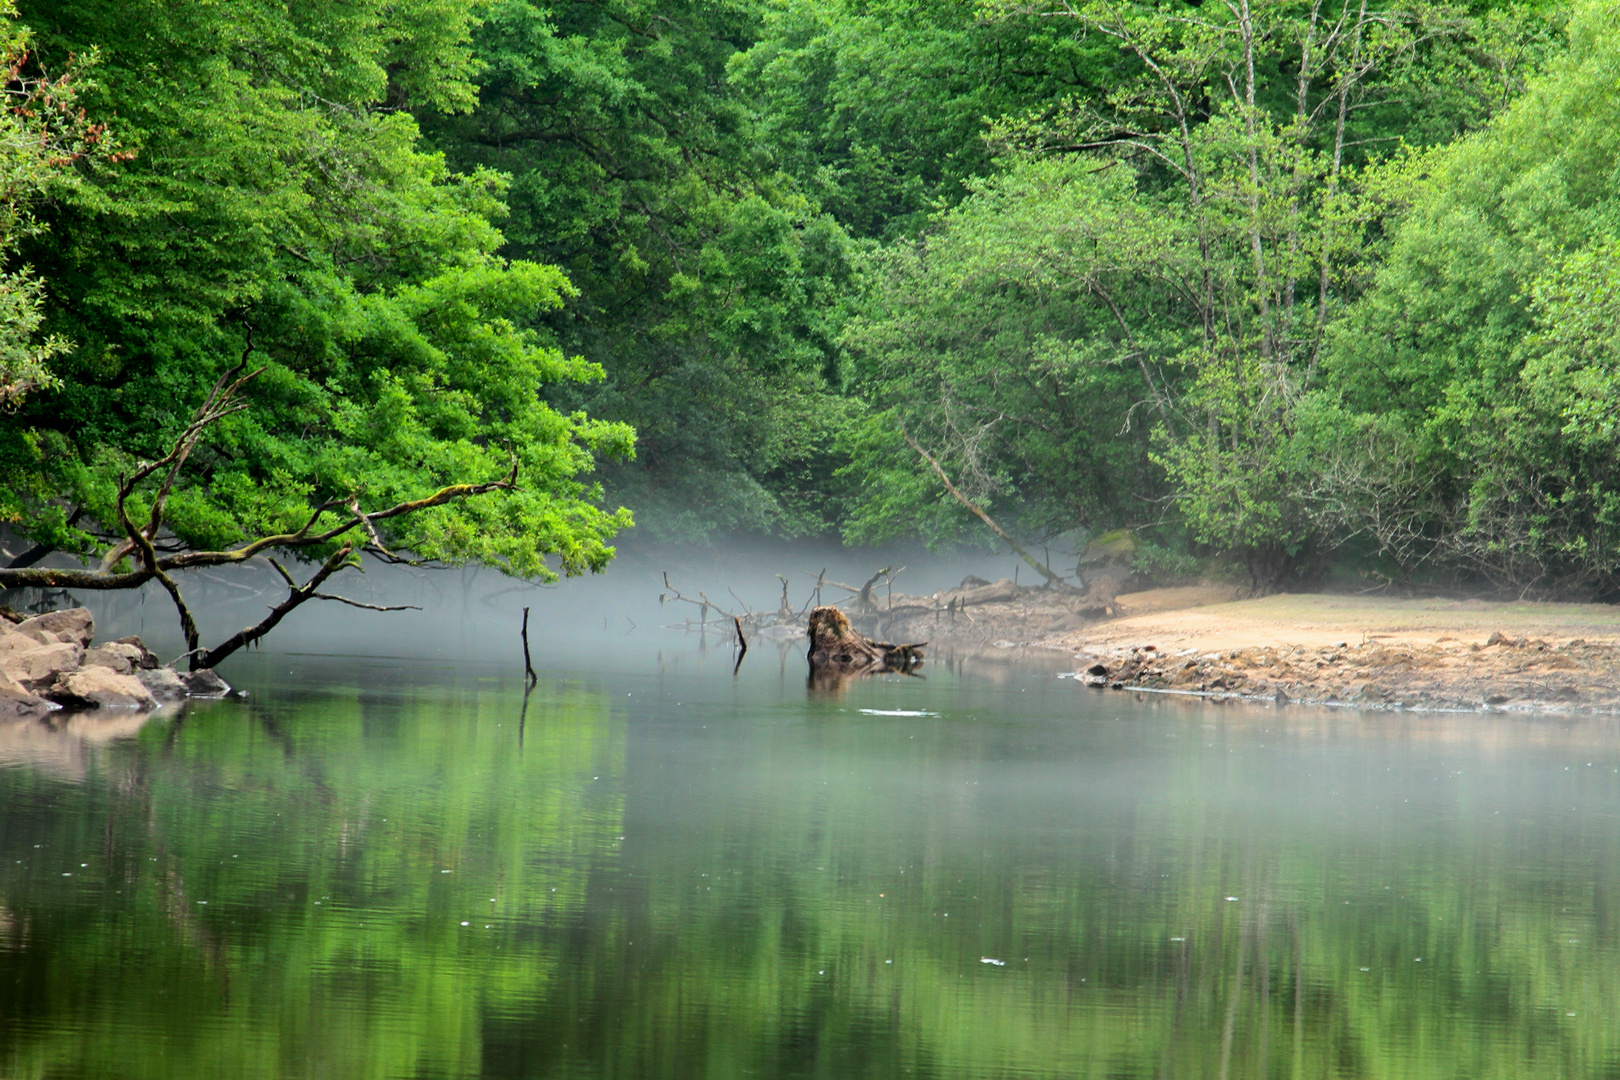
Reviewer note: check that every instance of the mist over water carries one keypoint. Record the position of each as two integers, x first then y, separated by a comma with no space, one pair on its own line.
475,614
388,860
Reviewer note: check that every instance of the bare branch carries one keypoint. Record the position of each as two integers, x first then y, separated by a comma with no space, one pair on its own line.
368,607
295,597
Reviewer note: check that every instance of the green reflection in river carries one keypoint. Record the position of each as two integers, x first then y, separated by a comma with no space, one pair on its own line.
707,879
337,889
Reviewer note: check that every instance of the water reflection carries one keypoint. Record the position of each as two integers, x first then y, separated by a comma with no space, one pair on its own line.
674,874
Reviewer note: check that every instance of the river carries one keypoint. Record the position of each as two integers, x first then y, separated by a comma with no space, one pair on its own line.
648,866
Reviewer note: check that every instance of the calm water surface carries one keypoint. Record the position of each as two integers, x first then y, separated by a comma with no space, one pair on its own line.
647,868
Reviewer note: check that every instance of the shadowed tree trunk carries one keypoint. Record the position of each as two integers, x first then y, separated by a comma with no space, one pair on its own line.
838,652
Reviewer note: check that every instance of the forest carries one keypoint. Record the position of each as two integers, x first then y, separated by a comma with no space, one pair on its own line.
1288,288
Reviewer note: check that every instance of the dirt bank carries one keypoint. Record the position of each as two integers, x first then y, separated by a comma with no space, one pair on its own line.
1368,652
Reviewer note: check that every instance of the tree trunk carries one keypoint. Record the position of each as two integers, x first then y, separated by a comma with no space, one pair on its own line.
837,651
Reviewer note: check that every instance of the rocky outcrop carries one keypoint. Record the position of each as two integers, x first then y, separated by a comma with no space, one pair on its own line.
49,662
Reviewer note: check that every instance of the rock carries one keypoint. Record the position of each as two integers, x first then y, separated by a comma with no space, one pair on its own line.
15,701
73,624
148,658
1500,638
41,663
100,688
1117,547
38,635
204,683
163,683
115,655
11,641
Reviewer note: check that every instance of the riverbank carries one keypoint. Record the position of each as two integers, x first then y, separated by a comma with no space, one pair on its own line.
1316,648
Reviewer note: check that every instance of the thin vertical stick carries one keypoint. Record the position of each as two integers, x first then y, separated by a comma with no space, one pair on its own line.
742,645
528,668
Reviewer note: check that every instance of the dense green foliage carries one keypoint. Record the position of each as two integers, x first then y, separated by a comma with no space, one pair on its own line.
277,207
1278,281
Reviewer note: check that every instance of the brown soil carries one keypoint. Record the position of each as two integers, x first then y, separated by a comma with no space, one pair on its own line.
1369,652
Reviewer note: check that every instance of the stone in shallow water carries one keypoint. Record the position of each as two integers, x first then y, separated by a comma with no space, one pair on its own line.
100,688
15,701
163,683
204,683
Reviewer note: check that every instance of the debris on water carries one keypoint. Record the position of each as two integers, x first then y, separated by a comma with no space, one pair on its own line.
1231,899
898,712
1178,939
992,960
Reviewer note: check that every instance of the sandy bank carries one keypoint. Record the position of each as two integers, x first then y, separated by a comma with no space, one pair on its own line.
1378,653
1317,648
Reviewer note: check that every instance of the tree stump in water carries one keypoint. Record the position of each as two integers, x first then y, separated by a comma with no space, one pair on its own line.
836,649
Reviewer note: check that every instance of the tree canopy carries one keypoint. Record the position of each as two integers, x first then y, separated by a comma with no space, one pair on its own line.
1294,284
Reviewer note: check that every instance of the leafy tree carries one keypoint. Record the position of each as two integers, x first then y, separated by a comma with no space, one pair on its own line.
293,314
1489,333
878,108
43,133
711,291
1239,220
1005,340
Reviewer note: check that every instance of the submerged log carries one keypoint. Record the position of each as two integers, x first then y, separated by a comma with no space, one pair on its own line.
836,647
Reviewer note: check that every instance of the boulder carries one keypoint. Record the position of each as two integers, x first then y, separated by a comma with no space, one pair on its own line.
100,688
42,663
204,683
162,683
37,634
11,641
73,624
148,659
15,701
115,655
